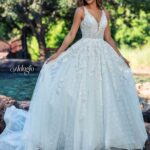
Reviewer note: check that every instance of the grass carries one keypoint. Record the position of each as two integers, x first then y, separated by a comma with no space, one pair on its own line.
141,79
138,57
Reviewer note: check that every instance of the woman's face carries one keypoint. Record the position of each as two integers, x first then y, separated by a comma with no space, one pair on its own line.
90,1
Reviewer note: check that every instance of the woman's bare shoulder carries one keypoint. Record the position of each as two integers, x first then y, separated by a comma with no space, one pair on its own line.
80,8
80,11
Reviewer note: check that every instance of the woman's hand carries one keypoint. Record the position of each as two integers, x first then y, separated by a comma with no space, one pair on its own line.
126,61
54,56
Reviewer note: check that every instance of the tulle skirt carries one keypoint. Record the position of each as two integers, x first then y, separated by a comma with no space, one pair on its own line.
85,99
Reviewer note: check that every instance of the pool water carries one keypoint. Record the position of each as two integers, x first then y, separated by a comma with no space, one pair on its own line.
20,86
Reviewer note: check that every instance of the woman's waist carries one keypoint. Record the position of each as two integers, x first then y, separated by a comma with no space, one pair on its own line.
93,36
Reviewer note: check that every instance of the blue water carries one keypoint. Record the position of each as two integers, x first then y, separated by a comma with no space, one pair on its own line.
20,86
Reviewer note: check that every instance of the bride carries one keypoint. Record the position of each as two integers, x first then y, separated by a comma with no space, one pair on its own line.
85,96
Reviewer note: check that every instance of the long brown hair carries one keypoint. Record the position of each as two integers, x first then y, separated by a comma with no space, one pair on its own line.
99,3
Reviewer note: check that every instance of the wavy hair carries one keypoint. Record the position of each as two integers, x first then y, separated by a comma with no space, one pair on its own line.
99,3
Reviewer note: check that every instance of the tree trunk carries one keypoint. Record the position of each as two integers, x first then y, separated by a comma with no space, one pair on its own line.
44,54
42,47
25,53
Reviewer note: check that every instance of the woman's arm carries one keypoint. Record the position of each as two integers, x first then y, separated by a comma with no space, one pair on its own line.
78,16
109,39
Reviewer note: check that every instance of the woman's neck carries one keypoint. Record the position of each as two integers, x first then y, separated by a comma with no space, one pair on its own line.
92,5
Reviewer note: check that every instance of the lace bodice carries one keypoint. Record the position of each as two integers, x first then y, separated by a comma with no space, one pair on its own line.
90,27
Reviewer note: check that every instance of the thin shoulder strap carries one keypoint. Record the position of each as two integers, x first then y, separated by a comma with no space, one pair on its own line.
103,11
85,10
105,15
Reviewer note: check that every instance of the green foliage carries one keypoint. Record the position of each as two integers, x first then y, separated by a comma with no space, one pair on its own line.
129,22
33,48
136,33
3,31
55,33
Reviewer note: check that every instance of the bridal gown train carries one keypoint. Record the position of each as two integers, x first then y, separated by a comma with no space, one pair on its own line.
85,99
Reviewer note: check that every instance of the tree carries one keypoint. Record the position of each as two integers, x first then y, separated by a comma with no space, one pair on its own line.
34,14
129,21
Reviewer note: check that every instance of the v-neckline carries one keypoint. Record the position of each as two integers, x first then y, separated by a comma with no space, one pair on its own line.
98,22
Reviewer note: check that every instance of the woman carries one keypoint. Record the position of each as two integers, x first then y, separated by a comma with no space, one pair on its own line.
85,97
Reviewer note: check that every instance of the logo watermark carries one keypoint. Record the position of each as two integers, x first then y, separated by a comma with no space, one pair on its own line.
21,68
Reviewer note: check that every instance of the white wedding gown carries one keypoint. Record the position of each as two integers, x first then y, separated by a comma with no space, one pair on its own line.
85,99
